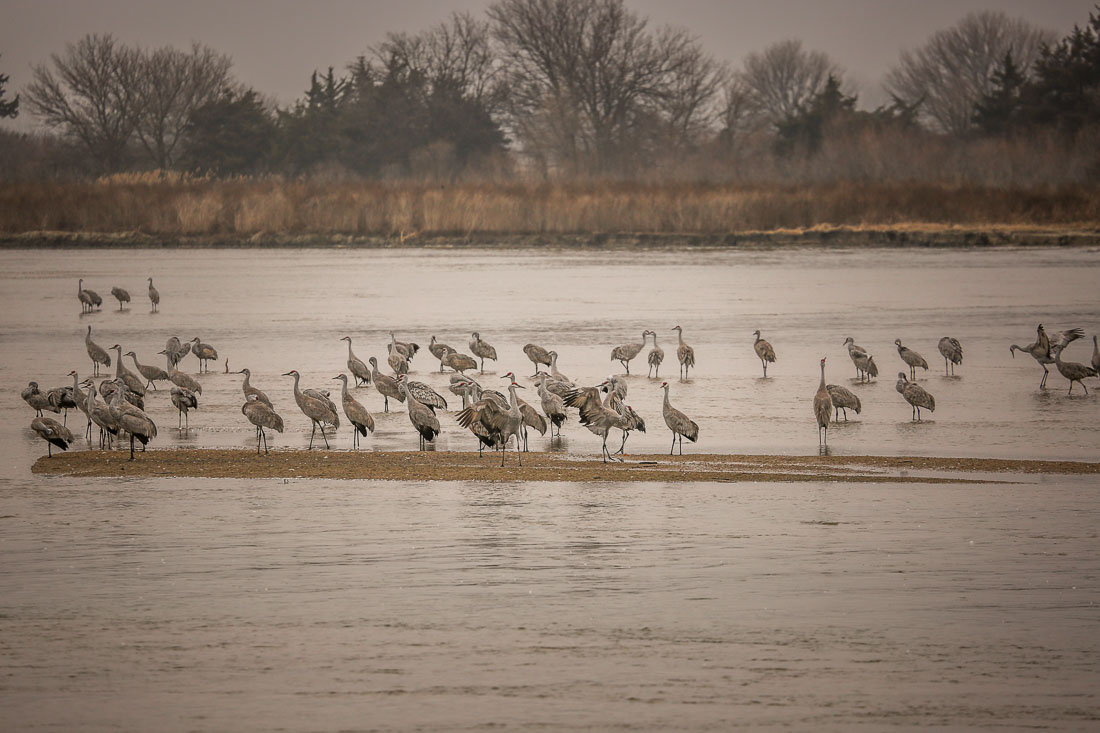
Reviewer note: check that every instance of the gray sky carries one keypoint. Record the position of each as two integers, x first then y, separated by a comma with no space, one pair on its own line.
275,44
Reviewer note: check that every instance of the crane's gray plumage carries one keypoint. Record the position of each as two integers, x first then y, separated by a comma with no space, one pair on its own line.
531,417
185,400
176,350
253,392
679,423
89,299
362,422
422,418
843,399
205,352
96,352
359,371
407,349
427,396
911,358
764,352
102,416
500,423
121,295
823,409
684,353
1071,370
80,397
861,359
154,296
261,415
656,356
915,395
458,362
53,432
952,352
151,374
625,353
134,421
386,385
537,355
38,400
133,382
482,350
318,409
1041,349
596,414
440,350
178,378
108,387
62,398
471,392
553,405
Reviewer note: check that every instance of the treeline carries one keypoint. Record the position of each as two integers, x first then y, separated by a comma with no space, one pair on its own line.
576,90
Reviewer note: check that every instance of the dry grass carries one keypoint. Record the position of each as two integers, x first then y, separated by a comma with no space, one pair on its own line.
173,205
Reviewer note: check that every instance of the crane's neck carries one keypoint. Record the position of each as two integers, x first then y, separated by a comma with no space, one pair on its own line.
118,361
681,335
136,362
297,392
654,339
88,336
79,287
514,409
246,385
667,403
822,385
351,355
345,392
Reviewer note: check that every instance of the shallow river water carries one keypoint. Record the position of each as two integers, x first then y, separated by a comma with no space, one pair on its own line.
195,604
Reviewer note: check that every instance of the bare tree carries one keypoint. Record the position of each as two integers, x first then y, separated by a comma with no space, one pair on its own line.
457,54
779,82
952,71
89,96
171,85
587,72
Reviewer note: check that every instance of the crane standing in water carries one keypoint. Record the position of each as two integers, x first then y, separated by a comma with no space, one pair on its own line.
823,409
764,352
684,353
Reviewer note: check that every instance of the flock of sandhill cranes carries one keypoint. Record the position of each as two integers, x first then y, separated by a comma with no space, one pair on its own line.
493,417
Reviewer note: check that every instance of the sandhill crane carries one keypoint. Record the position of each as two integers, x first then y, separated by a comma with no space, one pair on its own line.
911,358
361,421
470,396
597,415
80,397
952,352
387,386
537,355
121,295
149,373
1071,370
185,400
38,400
97,353
656,356
108,387
764,352
89,299
154,296
555,375
397,361
102,416
625,353
407,349
358,369
531,416
133,382
53,432
482,350
631,419
552,405
440,350
426,396
679,423
263,417
458,386
205,352
459,362
133,421
176,350
1095,355
423,419
684,353
843,399
823,409
1041,349
915,395
63,398
315,409
250,391
501,424
178,378
617,385
857,354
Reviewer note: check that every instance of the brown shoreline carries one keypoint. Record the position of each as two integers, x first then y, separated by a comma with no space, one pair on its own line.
450,466
901,235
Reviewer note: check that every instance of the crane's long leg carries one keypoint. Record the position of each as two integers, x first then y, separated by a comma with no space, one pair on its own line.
263,433
324,436
312,434
673,443
387,404
519,455
131,446
257,440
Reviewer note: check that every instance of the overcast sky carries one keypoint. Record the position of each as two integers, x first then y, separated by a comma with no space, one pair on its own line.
276,44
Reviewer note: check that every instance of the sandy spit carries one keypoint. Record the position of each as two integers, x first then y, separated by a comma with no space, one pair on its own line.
450,466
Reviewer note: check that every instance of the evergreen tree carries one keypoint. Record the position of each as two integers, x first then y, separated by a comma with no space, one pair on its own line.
7,109
231,136
805,130
1066,88
997,113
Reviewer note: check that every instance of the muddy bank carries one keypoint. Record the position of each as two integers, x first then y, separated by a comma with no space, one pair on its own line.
445,466
911,235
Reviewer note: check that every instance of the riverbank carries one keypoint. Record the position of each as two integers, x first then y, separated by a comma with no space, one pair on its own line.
913,235
462,466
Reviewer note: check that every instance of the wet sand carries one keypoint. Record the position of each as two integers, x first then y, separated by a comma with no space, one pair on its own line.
467,466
